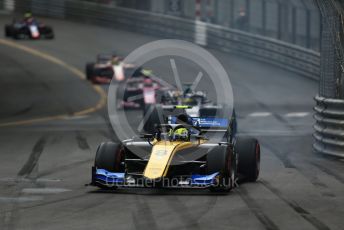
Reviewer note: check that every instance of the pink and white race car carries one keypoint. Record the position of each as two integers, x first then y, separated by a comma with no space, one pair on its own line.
137,92
107,68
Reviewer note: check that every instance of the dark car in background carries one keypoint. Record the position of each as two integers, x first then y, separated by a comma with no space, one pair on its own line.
28,28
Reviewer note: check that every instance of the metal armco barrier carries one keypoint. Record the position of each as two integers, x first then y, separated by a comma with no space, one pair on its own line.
329,127
294,58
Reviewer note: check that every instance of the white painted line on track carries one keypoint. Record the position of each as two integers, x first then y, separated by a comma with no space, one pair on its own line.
275,133
291,114
20,199
44,190
260,114
297,114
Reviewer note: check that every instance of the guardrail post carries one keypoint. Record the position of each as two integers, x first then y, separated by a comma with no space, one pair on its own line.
264,17
279,22
248,14
308,28
232,12
293,25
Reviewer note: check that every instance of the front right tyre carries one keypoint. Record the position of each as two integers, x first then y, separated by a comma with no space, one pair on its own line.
110,157
222,159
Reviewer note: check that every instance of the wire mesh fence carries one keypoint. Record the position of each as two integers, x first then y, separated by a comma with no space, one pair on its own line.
293,21
332,64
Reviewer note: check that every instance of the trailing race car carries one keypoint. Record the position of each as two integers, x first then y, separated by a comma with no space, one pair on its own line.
179,154
195,100
28,28
194,103
140,91
177,97
158,113
108,67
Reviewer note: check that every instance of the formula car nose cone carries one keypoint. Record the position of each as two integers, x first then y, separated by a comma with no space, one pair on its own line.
159,160
161,157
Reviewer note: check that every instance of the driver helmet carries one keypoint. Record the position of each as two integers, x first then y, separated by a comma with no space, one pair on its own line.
180,134
115,60
189,101
28,16
147,72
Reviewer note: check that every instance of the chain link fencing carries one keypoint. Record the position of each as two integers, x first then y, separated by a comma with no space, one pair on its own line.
329,109
293,21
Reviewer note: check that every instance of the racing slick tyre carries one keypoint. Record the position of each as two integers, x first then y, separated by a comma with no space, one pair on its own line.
109,156
8,30
223,160
89,71
49,36
248,151
153,116
49,33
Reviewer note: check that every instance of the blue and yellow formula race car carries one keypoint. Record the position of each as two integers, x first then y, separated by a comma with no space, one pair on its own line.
185,152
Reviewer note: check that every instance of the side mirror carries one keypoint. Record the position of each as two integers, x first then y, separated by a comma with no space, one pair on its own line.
147,135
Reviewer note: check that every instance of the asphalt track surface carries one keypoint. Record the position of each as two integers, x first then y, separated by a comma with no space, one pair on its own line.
45,163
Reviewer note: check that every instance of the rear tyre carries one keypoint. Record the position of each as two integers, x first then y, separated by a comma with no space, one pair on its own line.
109,156
8,30
222,159
248,150
49,33
89,71
50,36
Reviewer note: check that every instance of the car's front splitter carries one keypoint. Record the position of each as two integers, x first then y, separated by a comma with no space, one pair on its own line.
119,179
